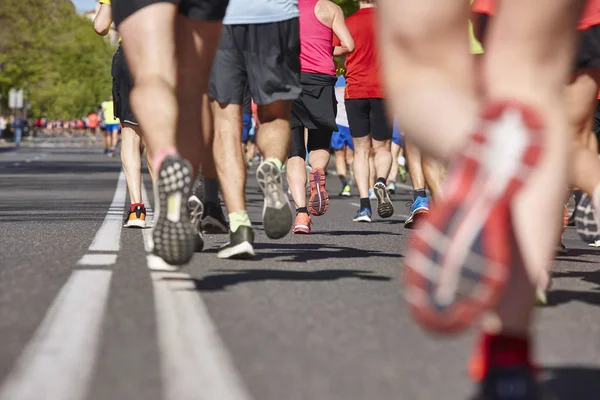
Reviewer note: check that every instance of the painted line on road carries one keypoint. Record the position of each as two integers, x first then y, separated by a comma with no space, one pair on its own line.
194,362
98,259
108,237
58,362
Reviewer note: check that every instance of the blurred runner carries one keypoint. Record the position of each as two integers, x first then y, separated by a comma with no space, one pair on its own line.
111,126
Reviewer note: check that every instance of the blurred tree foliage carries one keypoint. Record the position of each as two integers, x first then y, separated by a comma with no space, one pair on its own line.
55,55
349,7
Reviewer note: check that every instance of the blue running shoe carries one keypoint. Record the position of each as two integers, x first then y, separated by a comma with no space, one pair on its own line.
418,209
363,215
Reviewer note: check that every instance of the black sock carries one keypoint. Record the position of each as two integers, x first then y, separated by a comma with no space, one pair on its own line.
343,180
382,180
365,203
301,210
419,193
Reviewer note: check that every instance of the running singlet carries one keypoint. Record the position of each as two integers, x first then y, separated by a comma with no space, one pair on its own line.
245,12
315,41
109,113
362,65
590,17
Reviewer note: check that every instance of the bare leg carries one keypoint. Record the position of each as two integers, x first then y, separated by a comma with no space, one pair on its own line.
393,175
372,170
132,162
415,166
296,175
362,170
274,137
382,158
340,162
433,171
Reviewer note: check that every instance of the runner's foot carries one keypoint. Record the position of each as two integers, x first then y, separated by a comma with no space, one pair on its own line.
510,383
363,215
240,244
459,259
302,223
174,235
418,209
346,191
319,199
385,208
213,219
136,217
391,187
372,195
196,209
277,213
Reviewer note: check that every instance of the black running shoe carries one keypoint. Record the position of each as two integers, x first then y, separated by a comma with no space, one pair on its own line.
510,383
239,245
277,213
174,235
213,219
385,208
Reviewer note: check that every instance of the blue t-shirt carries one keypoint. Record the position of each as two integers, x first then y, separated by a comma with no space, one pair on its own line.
244,12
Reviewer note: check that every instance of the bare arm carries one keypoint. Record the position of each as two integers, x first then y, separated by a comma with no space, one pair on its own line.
103,20
341,31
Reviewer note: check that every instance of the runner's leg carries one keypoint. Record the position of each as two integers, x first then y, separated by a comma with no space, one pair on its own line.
131,160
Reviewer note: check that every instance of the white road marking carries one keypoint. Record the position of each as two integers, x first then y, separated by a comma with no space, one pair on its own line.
98,259
108,237
57,363
194,362
16,164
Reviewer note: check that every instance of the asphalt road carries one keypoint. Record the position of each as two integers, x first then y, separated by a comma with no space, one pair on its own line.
316,317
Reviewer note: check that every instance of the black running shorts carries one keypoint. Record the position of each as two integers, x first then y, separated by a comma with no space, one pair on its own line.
367,116
122,84
264,56
589,49
200,10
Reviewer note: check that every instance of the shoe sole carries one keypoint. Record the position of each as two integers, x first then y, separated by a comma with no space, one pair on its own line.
385,208
277,213
362,219
304,230
174,235
135,224
458,261
319,198
344,194
239,251
418,216
585,220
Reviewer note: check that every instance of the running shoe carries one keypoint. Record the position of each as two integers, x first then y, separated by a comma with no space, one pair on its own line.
174,235
240,244
196,210
418,209
510,383
363,215
403,173
459,259
391,187
586,221
136,217
277,213
302,223
213,219
319,199
372,195
385,208
346,191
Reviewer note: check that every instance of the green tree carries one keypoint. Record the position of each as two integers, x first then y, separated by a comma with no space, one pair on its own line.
54,54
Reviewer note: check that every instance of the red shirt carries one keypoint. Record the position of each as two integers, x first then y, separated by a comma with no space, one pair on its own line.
362,65
590,17
93,120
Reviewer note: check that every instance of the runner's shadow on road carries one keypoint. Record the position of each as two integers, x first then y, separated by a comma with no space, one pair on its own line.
572,383
221,281
357,233
592,296
303,252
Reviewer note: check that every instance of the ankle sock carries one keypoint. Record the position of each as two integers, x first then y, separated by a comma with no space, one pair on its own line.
275,161
380,180
419,193
498,351
160,156
237,219
211,190
343,180
365,203
301,210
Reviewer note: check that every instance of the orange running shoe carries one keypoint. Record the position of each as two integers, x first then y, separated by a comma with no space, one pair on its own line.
302,223
319,199
136,217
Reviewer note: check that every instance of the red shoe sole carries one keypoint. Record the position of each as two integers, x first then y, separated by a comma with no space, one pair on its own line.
319,198
459,259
